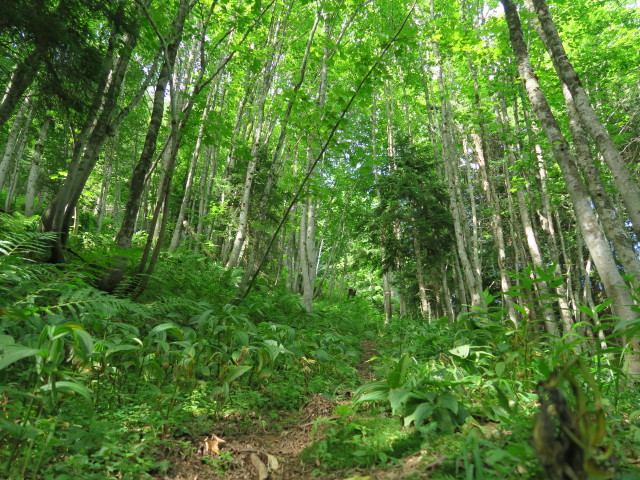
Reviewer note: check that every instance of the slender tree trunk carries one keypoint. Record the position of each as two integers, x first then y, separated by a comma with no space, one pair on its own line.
21,79
550,320
607,213
189,180
245,204
386,283
310,252
58,216
425,308
496,225
475,244
124,237
471,280
32,180
624,181
18,154
102,199
136,186
19,124
446,294
621,300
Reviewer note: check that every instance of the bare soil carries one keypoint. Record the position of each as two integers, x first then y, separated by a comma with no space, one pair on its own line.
264,452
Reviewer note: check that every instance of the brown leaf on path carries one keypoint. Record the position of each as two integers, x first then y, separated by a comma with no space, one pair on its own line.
211,445
263,471
272,462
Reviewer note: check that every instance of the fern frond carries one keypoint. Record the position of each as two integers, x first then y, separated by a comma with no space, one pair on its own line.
27,244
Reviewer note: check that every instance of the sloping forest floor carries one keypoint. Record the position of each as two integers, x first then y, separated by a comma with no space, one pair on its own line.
260,451
181,384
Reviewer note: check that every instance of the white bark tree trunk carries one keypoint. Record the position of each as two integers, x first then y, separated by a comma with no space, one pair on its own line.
627,186
12,140
175,238
621,301
32,180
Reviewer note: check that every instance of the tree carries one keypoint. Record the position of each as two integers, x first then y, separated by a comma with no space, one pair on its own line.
594,238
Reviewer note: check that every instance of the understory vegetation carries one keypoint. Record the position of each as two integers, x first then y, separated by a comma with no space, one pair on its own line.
101,386
319,239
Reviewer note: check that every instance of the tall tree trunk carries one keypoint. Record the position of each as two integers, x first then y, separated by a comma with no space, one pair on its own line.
175,239
612,222
473,220
57,218
621,300
531,236
627,187
32,180
386,283
21,143
496,224
251,270
124,237
136,186
472,282
310,250
19,124
21,79
425,308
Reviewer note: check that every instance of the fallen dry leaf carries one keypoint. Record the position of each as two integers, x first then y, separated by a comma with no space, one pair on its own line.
263,471
211,445
272,463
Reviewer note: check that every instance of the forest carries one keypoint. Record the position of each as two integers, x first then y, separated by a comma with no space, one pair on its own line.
320,239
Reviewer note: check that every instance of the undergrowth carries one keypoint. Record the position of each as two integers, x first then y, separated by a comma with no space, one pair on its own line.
99,386
466,397
93,385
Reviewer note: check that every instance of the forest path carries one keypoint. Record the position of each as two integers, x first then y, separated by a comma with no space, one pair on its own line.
259,451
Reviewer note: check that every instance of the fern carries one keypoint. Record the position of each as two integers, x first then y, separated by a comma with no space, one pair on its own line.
35,293
27,244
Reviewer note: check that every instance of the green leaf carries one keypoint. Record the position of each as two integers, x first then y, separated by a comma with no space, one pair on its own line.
397,398
17,430
397,376
372,392
13,353
448,400
120,348
173,328
322,355
83,341
462,351
235,371
500,368
502,399
602,306
64,386
419,415
444,421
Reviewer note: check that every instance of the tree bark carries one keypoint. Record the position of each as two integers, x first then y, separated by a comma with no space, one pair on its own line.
20,145
496,224
627,187
136,186
472,282
175,239
607,213
10,148
21,79
100,121
32,180
621,300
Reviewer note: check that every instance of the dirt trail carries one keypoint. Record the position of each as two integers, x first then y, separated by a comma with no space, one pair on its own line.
269,453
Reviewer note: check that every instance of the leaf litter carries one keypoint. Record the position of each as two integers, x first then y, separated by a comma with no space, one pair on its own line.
273,453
